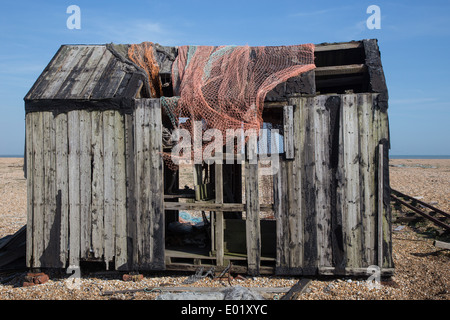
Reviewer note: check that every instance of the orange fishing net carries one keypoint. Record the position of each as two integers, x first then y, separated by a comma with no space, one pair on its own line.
143,55
225,87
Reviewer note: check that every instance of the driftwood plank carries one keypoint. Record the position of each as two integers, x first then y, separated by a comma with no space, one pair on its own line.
219,223
88,90
130,160
38,189
62,187
29,121
83,73
288,119
85,183
380,228
77,72
74,187
121,195
349,192
73,56
109,184
322,180
47,75
308,203
367,167
97,192
139,184
149,188
51,221
253,232
157,186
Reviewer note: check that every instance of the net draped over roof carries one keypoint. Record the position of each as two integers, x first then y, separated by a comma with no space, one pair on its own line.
224,86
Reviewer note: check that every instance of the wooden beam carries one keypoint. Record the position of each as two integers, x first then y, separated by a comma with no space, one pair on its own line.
441,244
337,46
298,288
210,206
337,70
219,235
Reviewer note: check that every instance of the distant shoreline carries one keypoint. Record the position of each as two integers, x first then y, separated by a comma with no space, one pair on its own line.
431,157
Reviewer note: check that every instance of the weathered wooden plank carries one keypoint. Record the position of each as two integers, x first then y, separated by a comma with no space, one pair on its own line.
253,232
208,206
149,184
349,191
77,72
97,192
288,119
84,73
88,90
219,223
441,244
47,75
367,147
139,184
29,121
73,55
85,183
338,70
130,161
380,235
121,194
146,253
156,186
62,187
280,213
50,254
322,180
337,46
308,202
296,215
38,189
109,184
74,187
110,80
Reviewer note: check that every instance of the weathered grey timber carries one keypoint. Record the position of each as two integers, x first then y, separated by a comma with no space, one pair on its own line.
96,180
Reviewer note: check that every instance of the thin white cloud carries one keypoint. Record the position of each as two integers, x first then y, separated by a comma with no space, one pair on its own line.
136,32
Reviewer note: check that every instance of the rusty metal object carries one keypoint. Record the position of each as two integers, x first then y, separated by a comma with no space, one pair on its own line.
133,277
34,278
423,214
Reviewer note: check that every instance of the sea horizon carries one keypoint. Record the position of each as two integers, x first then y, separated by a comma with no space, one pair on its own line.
419,156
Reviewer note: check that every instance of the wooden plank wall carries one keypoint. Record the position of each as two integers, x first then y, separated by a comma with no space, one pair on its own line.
148,242
82,191
325,197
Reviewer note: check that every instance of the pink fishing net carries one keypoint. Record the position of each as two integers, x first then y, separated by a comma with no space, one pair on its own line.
225,87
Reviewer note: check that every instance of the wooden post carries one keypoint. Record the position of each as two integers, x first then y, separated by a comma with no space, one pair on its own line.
219,232
30,202
253,232
380,205
288,123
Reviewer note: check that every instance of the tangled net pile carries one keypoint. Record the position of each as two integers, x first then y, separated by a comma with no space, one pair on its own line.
224,87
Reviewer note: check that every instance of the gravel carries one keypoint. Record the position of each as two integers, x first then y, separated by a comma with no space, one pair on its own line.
422,271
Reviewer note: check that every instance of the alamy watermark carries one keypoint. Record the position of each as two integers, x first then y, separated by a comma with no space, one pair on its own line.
263,147
74,20
374,20
374,280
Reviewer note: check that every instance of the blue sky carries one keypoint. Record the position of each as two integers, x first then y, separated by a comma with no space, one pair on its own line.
414,40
